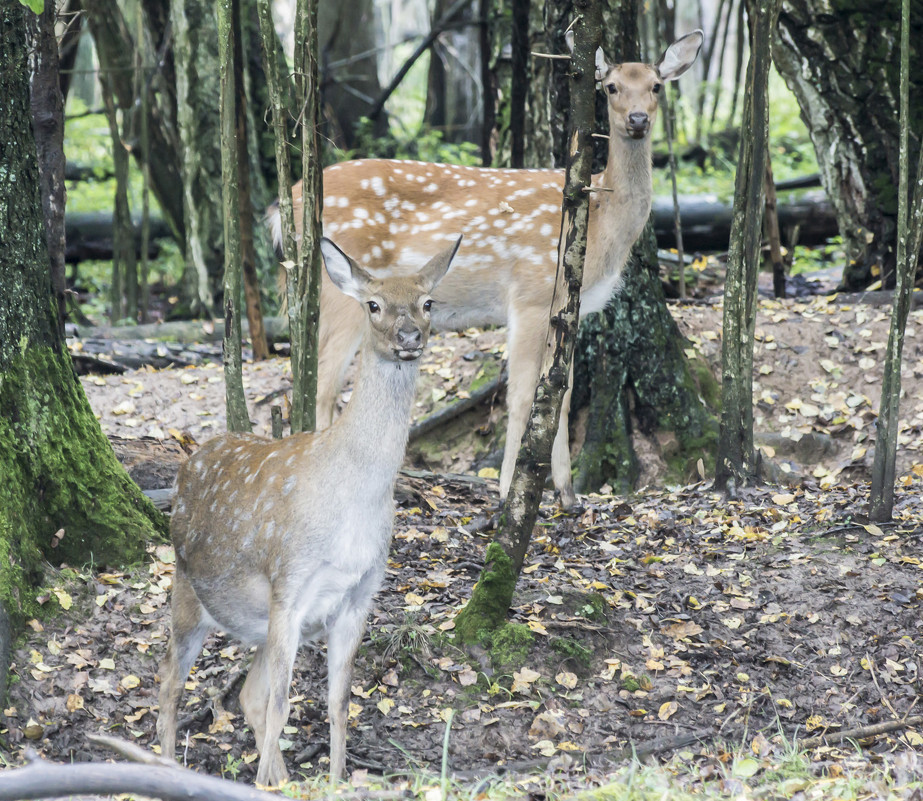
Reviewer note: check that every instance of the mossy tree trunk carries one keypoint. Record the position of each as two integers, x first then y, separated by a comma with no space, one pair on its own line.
492,595
64,497
841,61
736,461
631,372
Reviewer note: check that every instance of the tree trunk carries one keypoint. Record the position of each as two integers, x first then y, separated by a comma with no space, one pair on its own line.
881,497
197,86
228,21
493,593
841,62
631,375
116,50
304,316
64,497
347,50
48,125
736,462
451,102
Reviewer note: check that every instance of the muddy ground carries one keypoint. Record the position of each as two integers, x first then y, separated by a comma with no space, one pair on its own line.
671,622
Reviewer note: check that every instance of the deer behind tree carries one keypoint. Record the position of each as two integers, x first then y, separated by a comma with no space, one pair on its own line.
511,219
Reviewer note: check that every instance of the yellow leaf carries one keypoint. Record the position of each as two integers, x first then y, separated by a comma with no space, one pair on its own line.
537,627
914,738
413,599
667,709
566,679
107,664
783,498
523,678
488,472
354,710
784,703
129,682
73,703
872,529
385,705
63,598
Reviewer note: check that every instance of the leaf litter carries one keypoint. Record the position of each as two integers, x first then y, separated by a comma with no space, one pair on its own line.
673,620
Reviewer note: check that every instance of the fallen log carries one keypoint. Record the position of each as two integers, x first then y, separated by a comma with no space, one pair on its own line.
181,331
807,220
89,236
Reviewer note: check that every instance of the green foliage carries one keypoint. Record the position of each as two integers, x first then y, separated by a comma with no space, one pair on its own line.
422,145
37,6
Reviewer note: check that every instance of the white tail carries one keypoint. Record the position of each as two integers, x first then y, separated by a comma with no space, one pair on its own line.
281,541
403,212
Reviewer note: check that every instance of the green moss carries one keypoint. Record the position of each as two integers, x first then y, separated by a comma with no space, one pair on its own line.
571,649
510,646
64,497
490,599
593,606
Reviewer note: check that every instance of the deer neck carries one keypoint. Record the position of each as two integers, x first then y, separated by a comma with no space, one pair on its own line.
628,174
376,420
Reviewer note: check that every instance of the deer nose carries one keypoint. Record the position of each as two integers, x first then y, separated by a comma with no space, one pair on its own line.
637,120
410,338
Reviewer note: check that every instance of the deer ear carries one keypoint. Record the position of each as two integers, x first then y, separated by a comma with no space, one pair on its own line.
680,55
436,268
348,276
602,66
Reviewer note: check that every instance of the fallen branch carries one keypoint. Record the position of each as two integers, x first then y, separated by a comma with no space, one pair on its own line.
457,408
862,732
41,779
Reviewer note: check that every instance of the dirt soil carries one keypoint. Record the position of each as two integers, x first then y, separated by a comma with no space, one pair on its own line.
670,621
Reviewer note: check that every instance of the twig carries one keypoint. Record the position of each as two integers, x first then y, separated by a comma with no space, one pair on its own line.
209,708
884,700
131,751
558,56
861,732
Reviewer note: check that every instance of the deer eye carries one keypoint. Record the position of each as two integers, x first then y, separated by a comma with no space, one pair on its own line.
374,308
428,306
611,88
657,88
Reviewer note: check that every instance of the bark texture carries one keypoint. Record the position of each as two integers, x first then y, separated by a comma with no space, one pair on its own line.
64,497
228,18
195,50
736,462
493,594
841,61
631,374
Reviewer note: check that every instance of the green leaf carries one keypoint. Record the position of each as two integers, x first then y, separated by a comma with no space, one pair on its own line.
38,6
745,768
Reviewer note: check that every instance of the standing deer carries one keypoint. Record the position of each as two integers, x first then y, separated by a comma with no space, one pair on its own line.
280,541
511,220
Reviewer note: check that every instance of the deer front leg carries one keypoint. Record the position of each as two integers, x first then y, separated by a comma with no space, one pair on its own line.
273,678
343,641
188,631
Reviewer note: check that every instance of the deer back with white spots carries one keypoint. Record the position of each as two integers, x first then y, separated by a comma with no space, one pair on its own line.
400,213
281,541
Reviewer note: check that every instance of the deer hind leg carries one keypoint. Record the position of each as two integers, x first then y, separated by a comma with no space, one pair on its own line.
190,626
341,329
560,452
254,701
525,341
269,681
343,641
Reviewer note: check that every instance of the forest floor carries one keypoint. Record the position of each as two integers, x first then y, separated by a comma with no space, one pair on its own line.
677,624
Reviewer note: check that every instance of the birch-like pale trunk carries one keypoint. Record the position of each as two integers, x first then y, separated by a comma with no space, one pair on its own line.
491,597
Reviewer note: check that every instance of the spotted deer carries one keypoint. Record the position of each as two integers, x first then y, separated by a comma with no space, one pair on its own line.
511,220
281,541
